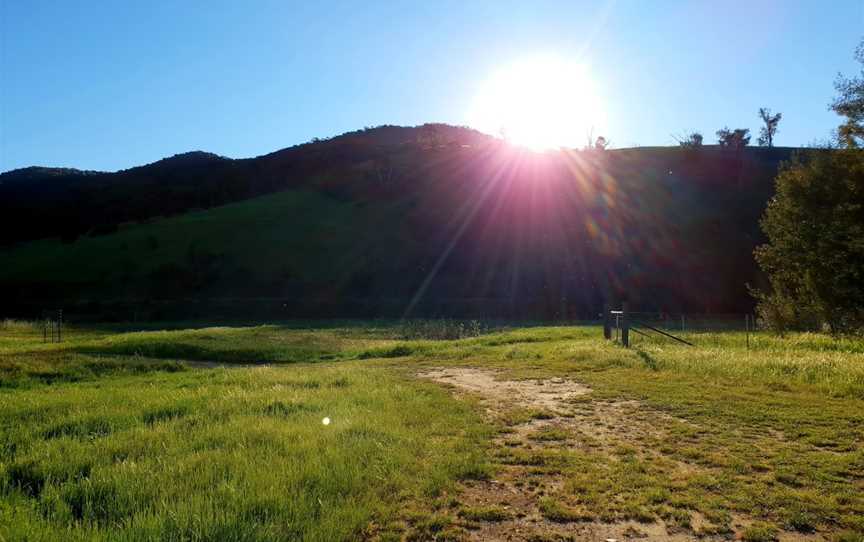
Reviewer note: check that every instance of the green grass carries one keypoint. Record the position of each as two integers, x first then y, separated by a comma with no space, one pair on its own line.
226,454
245,234
113,435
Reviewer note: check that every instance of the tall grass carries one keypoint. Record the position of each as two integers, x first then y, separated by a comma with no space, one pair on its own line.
110,435
227,454
834,365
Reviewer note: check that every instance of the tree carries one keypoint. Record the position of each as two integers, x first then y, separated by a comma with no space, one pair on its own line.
734,139
692,140
601,143
766,133
814,257
849,103
598,144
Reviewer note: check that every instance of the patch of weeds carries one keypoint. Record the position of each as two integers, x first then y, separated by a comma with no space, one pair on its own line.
657,495
649,361
304,384
519,416
557,512
165,414
531,458
285,409
790,479
87,428
719,520
339,382
677,516
485,513
101,502
394,352
638,513
29,478
474,471
801,521
432,527
549,434
759,532
518,353
360,435
542,415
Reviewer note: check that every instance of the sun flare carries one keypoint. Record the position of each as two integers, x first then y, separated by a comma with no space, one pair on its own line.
541,103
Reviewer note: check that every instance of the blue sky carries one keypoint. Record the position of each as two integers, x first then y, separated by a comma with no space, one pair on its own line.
108,85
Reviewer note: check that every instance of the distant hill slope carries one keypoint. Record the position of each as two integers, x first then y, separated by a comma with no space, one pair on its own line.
70,202
389,222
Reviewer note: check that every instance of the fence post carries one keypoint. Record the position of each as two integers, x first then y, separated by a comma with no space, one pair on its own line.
625,326
747,329
607,329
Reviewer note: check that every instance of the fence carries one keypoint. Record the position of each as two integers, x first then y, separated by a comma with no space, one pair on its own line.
625,326
52,325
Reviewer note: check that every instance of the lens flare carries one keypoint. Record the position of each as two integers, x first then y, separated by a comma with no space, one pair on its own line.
540,102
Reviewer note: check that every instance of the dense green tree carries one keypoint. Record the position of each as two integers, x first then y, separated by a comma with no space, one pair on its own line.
815,255
850,104
766,133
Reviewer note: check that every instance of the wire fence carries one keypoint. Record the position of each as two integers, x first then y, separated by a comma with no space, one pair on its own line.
632,328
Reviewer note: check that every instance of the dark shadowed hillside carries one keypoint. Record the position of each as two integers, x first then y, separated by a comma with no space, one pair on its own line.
390,221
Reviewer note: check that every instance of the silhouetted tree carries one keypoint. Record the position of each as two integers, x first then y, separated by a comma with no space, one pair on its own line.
734,139
692,140
766,133
850,104
601,143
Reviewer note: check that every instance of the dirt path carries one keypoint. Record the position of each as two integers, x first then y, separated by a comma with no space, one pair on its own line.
522,503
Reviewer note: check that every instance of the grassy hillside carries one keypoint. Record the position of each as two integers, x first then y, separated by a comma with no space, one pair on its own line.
296,232
400,227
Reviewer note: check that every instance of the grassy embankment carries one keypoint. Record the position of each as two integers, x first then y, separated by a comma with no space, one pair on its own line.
111,435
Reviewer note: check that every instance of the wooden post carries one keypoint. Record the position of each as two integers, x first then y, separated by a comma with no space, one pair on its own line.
625,326
747,329
607,329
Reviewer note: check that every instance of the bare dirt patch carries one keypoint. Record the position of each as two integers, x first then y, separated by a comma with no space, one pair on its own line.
550,394
529,493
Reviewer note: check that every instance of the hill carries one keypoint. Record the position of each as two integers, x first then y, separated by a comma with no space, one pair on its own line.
390,221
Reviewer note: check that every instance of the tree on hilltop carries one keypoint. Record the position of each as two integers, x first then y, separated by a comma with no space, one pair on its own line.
849,103
733,139
766,133
692,140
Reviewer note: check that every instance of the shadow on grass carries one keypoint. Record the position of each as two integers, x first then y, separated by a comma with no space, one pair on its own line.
649,360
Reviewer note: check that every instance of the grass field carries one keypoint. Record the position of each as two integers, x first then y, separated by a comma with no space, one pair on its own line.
243,235
546,433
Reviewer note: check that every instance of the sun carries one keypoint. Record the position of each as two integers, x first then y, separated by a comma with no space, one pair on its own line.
540,102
